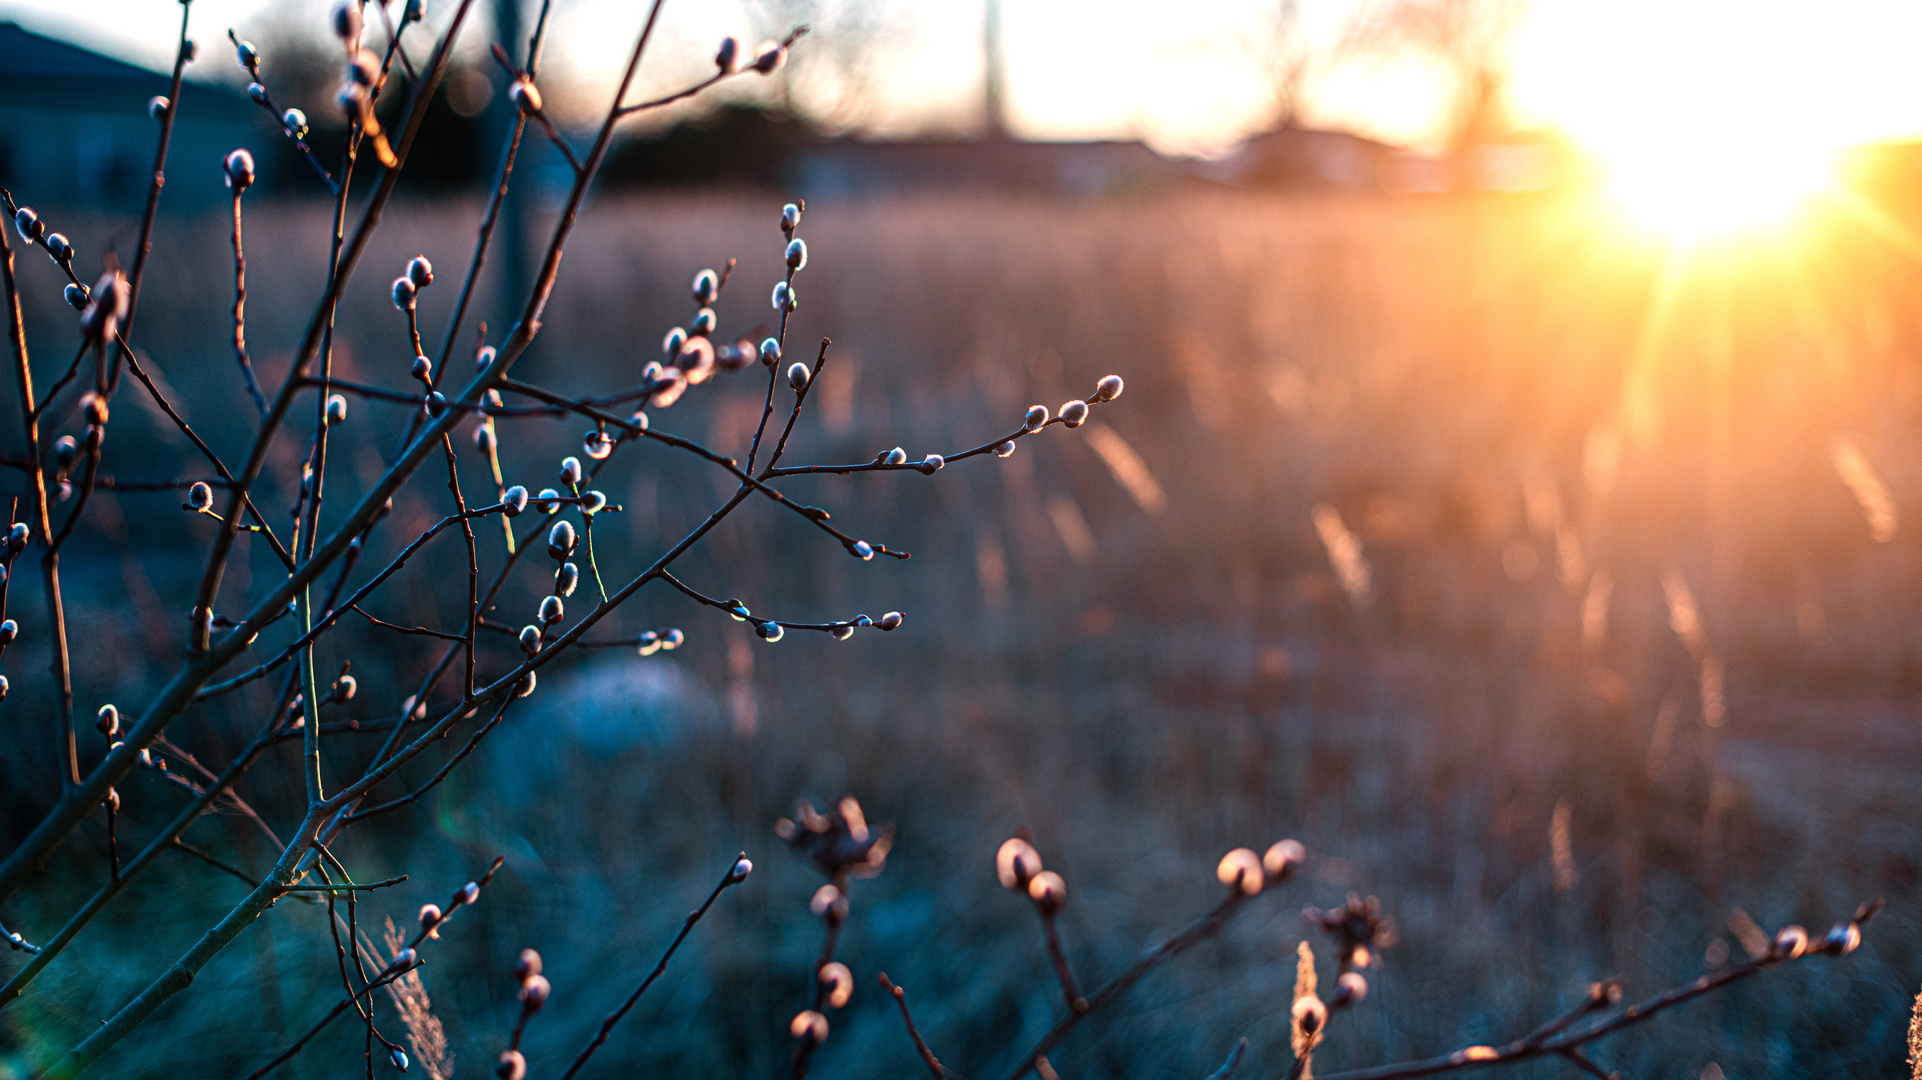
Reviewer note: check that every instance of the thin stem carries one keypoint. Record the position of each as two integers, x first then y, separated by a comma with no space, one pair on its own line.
933,1063
240,313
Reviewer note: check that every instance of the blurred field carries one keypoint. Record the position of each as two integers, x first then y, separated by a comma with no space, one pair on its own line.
1586,476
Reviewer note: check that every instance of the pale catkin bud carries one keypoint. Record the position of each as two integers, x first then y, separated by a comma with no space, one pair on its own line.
157,107
534,991
484,438
527,965
649,642
809,1026
484,357
771,350
1074,413
405,959
704,322
596,445
258,93
1048,891
769,56
896,456
247,56
839,982
842,633
672,343
826,899
890,621
1241,869
59,247
240,170
549,501
570,471
1037,417
336,409
17,536
65,450
1006,449
512,1066
696,361
567,580
561,540
797,254
430,916
29,224
107,721
345,688
1843,937
76,296
1790,942
1108,389
797,377
200,496
8,631
1016,863
530,639
790,218
742,868
1309,1015
525,96
1350,989
862,550
932,464
1284,857
728,56
112,801
346,21
770,630
295,122
404,290
668,387
672,639
423,368
593,503
707,284
468,894
420,271
552,610
400,1059
514,501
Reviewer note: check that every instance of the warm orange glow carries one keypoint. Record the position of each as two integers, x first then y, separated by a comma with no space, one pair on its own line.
1715,186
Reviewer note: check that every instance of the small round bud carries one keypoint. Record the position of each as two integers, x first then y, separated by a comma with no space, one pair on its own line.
17,536
189,48
672,639
742,868
525,96
1790,942
552,610
29,224
932,464
345,688
240,170
826,899
783,295
790,218
512,1066
650,643
484,357
1016,863
704,322
76,296
345,20
336,409
842,633
1006,449
669,384
200,496
809,1026
1350,989
527,965
896,456
1074,413
728,56
420,271
862,550
561,540
738,610
112,801
1048,892
247,56
771,349
352,101
797,254
404,290
534,991
797,377
707,284
1309,1015
65,450
468,894
596,445
59,247
94,408
567,580
530,639
570,471
1241,869
258,93
405,959
696,360
1108,389
839,982
423,368
672,343
769,56
157,106
400,1059
514,501
8,631
770,630
1284,857
107,721
549,501
430,917
295,122
1037,417
1843,937
890,621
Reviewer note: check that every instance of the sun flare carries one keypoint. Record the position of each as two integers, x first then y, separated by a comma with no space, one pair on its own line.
1712,187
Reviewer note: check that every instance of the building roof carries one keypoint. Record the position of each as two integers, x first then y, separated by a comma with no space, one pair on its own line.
36,66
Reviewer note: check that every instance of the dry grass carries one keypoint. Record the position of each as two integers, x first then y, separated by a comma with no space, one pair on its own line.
1514,744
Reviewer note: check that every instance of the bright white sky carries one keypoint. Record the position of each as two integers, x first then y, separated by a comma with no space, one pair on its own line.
1608,71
